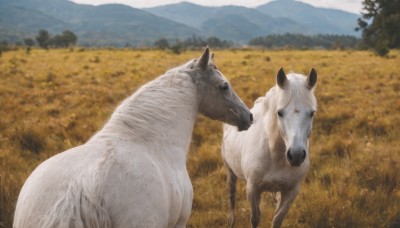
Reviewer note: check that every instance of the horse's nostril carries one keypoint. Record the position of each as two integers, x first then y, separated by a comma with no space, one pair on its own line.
251,117
289,156
303,157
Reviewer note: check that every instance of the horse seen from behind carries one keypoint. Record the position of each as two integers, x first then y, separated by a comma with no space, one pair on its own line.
273,154
132,173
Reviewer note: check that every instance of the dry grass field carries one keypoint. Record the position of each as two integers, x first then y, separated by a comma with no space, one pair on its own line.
53,100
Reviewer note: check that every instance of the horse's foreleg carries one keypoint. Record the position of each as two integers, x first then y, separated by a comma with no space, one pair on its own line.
286,200
254,197
232,179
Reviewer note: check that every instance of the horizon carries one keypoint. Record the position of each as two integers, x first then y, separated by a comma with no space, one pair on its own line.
351,6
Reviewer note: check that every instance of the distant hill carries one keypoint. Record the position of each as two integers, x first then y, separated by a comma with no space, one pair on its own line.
227,22
116,24
17,22
111,24
276,17
186,13
316,20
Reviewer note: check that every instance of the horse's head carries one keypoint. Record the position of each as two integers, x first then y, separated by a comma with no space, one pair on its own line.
295,112
215,95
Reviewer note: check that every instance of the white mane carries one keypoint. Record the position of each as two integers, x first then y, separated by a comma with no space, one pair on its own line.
150,109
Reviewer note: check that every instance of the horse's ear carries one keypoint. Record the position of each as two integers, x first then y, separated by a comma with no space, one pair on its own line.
203,60
312,78
281,78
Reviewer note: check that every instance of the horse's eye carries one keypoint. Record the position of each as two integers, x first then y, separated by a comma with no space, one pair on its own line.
280,113
312,114
224,86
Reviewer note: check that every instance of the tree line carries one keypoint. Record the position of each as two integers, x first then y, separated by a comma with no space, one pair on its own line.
45,40
193,42
293,41
299,41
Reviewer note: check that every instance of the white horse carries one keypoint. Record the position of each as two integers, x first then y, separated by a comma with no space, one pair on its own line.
273,154
132,173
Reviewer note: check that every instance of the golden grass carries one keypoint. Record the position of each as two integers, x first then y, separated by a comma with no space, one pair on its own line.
53,100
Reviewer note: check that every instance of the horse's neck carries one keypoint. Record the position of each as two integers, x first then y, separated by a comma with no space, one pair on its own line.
160,114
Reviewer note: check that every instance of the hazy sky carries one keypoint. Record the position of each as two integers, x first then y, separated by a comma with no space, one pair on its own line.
347,5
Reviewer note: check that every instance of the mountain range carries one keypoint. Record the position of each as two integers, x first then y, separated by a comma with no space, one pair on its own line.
117,25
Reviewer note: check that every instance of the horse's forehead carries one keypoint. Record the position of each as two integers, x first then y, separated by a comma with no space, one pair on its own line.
298,107
213,75
298,100
293,77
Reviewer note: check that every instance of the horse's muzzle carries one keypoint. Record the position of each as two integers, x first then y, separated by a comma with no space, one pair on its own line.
296,157
244,125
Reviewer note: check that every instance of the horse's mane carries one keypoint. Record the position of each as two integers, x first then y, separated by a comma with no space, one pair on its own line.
295,89
144,114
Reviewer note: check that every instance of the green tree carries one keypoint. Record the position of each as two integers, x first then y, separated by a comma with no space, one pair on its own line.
43,38
178,47
161,44
66,39
29,42
69,38
380,25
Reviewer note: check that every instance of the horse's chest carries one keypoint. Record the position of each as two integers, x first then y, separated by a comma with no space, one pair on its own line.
286,178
